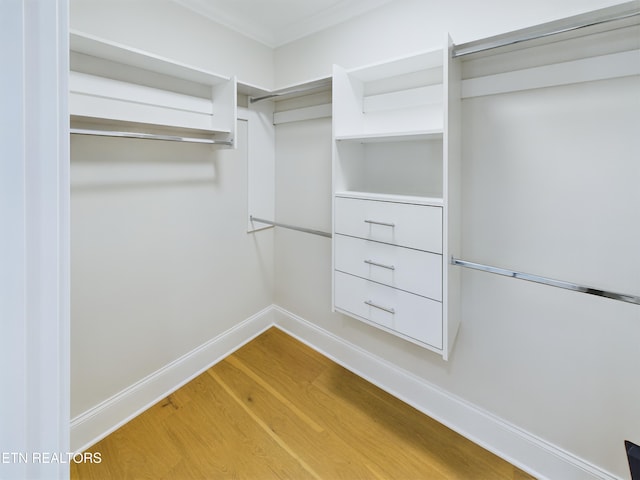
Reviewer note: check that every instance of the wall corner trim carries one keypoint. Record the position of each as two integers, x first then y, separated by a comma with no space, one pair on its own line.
523,449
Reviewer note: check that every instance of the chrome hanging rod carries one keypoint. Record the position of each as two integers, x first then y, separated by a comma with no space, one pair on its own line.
149,136
290,227
597,17
548,281
279,93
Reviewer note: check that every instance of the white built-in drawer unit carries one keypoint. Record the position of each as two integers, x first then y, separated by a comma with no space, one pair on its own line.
396,196
402,268
413,316
388,266
407,225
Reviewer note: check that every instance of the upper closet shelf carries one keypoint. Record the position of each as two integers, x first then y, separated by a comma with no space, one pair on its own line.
403,97
115,84
107,50
400,66
409,136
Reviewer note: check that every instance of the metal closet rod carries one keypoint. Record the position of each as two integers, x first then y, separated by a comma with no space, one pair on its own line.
548,281
149,136
597,17
290,227
280,93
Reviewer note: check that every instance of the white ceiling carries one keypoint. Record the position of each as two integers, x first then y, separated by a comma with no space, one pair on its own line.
276,22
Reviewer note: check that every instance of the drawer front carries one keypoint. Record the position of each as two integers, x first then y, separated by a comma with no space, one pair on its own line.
404,268
414,316
407,225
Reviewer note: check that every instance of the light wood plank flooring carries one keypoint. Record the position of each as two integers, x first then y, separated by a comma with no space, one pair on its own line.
278,409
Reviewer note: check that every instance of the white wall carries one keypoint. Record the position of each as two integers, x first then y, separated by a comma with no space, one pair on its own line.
403,27
161,261
172,31
549,187
303,198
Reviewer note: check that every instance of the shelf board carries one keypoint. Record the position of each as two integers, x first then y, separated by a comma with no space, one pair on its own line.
115,52
392,197
101,123
398,66
392,137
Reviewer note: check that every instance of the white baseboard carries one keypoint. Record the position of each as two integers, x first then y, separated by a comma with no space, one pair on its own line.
98,422
528,452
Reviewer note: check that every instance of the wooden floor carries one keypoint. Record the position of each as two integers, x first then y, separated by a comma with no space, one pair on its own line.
277,409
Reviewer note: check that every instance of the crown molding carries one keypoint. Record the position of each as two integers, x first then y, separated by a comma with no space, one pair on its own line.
273,35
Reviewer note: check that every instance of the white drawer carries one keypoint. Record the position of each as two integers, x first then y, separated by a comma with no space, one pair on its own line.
404,268
412,315
408,225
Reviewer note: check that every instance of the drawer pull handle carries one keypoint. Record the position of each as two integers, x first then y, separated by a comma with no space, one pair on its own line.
388,310
375,264
384,224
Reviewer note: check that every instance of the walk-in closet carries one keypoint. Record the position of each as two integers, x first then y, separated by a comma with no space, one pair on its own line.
438,199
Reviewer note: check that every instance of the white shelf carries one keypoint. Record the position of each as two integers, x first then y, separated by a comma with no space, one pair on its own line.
403,97
388,197
420,135
105,49
399,66
114,83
